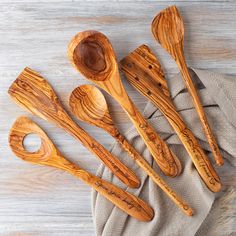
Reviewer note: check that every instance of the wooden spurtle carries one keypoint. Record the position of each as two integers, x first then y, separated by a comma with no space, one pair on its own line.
144,72
89,105
49,155
34,93
92,54
168,30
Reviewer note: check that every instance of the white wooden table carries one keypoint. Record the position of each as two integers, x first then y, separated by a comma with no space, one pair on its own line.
42,201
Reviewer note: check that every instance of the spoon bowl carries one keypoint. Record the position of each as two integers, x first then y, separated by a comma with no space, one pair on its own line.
91,53
89,105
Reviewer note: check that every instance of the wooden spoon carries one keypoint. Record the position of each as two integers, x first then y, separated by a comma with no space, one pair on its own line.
49,155
92,54
168,30
144,72
34,93
89,105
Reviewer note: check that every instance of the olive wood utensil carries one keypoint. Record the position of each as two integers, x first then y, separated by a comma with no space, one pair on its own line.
144,72
49,155
168,30
92,54
34,93
89,105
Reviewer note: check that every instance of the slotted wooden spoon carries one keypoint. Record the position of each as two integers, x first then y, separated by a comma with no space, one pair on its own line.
32,92
144,72
49,155
168,30
89,105
92,54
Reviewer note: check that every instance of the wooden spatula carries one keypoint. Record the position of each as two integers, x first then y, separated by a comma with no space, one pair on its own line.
144,72
49,155
32,92
168,30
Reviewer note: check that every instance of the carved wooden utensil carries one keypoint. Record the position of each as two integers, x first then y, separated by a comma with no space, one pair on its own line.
144,72
89,105
168,30
49,155
92,54
34,93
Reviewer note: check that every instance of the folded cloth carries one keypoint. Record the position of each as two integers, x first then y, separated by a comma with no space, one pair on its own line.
218,96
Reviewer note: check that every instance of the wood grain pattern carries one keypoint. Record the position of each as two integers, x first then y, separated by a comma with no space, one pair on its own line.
89,105
138,67
168,29
49,155
92,54
35,34
32,92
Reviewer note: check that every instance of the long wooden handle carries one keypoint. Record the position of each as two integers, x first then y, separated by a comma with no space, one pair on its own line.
164,103
167,161
200,160
129,203
154,176
120,170
180,60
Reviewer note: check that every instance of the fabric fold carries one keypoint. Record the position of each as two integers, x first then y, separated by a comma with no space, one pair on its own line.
217,93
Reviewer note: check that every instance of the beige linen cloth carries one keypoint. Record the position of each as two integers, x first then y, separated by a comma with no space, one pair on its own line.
215,214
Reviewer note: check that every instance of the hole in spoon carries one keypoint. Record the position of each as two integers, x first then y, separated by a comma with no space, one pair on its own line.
32,142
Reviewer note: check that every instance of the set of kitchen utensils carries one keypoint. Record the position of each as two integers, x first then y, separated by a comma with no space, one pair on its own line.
92,55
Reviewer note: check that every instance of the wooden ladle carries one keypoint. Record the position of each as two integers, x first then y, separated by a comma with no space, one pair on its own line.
92,54
168,30
49,155
89,105
34,93
144,72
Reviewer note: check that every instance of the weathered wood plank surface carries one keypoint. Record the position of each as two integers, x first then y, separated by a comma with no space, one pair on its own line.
42,201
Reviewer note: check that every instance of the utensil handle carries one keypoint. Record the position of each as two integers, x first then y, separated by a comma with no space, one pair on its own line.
154,176
200,160
129,203
167,161
180,60
121,171
166,106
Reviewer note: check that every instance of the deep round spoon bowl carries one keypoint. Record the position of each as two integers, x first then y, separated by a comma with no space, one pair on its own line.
92,54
